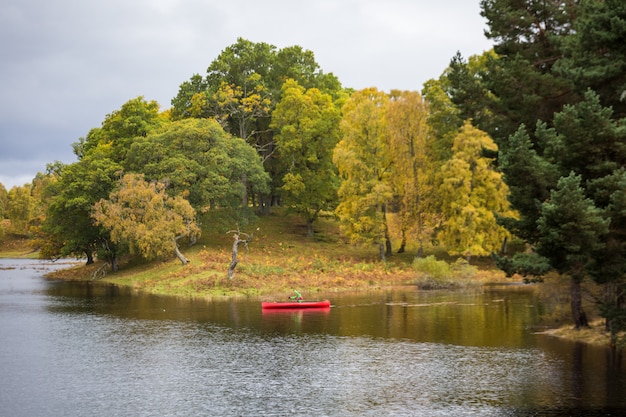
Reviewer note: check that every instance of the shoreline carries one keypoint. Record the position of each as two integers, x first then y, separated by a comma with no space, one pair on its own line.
165,279
595,335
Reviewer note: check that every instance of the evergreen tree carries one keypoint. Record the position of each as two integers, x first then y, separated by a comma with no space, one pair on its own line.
595,53
528,38
572,229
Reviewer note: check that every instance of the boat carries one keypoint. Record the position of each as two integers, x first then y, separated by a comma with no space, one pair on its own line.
294,304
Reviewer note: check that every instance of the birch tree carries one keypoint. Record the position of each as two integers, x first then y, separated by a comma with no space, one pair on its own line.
472,192
364,162
142,216
408,133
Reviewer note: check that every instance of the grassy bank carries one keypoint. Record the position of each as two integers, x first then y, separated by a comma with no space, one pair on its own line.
280,258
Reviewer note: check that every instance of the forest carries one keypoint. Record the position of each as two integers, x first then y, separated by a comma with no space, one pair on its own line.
525,144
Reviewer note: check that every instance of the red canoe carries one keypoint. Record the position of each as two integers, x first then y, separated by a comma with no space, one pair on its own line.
295,304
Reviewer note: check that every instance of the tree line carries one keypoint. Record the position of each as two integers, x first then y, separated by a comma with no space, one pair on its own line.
525,141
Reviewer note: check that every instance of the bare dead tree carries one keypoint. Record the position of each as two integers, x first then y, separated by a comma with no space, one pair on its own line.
240,238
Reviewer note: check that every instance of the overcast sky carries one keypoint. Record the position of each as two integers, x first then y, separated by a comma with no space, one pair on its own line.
66,64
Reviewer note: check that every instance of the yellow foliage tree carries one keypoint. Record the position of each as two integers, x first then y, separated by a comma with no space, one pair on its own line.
364,162
144,217
20,210
471,193
408,132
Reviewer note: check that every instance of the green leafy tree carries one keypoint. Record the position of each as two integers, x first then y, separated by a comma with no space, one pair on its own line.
586,141
241,89
472,193
293,62
307,125
549,55
69,228
4,200
142,216
530,179
136,118
466,88
609,266
364,161
201,162
191,100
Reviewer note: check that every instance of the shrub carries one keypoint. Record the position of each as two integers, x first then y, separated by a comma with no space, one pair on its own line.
431,268
439,274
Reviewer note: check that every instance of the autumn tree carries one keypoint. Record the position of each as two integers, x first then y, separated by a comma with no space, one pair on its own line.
364,161
20,209
142,216
307,126
4,200
472,193
411,180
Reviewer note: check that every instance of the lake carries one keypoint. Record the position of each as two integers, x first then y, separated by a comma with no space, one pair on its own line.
91,349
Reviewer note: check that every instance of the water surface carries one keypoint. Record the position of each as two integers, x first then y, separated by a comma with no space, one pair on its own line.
76,349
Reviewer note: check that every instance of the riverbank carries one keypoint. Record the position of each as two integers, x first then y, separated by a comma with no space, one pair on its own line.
280,258
595,334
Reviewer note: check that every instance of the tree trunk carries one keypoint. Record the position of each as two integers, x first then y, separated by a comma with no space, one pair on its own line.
381,249
387,239
309,228
614,310
402,247
233,263
504,246
115,265
89,255
578,314
420,251
244,194
184,261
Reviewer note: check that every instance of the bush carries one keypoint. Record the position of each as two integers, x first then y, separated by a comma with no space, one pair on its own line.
431,268
440,274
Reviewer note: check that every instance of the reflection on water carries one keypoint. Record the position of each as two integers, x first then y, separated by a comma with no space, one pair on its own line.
88,349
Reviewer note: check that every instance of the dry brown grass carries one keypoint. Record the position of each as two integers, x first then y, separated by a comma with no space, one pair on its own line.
279,258
595,334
